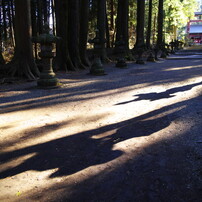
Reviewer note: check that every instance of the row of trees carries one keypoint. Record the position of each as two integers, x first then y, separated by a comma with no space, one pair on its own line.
135,22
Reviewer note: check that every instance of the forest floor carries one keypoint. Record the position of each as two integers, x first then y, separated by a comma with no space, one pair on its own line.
134,134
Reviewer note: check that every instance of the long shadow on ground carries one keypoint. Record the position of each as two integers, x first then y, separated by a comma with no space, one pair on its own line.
162,95
36,98
161,172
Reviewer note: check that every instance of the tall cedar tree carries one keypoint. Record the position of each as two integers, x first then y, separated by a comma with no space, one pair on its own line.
73,40
83,32
148,39
23,64
4,20
63,61
140,23
122,22
73,33
1,36
101,26
160,24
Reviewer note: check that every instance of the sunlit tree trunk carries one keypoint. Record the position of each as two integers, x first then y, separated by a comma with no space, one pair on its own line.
53,15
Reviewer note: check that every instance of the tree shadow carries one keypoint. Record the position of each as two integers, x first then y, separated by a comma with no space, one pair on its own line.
149,175
77,152
31,97
163,171
162,95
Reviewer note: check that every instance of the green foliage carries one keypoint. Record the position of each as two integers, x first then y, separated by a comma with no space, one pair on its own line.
177,13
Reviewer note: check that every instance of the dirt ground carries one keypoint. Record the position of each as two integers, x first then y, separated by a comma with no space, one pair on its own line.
134,134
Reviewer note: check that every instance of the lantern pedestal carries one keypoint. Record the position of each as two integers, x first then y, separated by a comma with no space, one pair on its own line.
47,77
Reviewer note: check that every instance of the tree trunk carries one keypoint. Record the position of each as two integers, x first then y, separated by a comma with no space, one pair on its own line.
4,20
148,40
107,33
73,33
45,11
101,26
1,34
53,15
122,22
160,24
63,61
140,23
10,20
83,32
34,25
111,14
40,16
12,13
111,24
23,64
154,29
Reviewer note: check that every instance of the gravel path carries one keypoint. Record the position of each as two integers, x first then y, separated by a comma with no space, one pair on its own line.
131,135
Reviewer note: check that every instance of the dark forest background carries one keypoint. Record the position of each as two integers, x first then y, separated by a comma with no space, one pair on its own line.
136,24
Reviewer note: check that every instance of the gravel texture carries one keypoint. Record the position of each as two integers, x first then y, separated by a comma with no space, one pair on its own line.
131,135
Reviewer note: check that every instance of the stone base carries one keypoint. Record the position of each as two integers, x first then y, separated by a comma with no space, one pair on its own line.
163,55
97,72
151,59
97,68
48,83
121,63
140,62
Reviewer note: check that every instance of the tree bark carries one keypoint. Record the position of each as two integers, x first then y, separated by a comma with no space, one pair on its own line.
34,25
45,11
73,34
53,15
122,22
140,23
4,20
83,32
40,16
10,19
160,24
101,26
63,61
23,64
148,40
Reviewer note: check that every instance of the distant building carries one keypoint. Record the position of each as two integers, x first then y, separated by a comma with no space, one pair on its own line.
194,28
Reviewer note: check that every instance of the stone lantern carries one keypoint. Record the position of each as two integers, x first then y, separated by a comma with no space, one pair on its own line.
140,51
151,57
120,51
46,40
97,67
